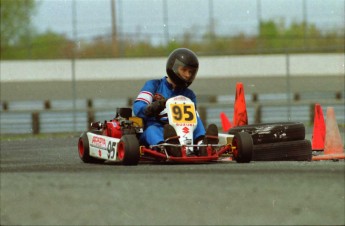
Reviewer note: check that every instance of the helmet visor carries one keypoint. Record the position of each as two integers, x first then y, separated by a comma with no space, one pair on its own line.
184,71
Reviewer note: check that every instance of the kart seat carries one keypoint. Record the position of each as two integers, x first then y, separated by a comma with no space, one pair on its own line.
123,113
127,114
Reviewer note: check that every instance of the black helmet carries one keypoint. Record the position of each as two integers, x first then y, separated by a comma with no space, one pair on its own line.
185,58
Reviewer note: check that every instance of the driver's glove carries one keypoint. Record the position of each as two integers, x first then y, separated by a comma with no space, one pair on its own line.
155,108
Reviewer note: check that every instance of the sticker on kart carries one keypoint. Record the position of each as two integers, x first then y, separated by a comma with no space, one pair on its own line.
103,147
183,113
182,117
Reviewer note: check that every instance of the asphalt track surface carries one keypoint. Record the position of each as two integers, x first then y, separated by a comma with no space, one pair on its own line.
43,182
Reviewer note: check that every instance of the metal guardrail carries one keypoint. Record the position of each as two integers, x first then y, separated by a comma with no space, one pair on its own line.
48,120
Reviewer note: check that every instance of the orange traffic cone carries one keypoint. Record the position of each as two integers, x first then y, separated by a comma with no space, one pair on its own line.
333,142
226,124
319,131
334,147
240,110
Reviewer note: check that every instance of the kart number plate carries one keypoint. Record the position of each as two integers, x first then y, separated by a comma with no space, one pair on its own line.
183,113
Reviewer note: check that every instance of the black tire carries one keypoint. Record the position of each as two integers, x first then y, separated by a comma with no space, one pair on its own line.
272,132
243,147
298,150
128,150
84,150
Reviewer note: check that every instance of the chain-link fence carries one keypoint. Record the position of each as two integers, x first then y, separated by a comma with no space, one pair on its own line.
137,28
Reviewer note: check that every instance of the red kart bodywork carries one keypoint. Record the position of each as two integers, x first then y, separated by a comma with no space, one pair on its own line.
211,155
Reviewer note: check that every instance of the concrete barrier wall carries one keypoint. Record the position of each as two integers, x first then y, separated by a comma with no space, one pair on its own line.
110,78
145,68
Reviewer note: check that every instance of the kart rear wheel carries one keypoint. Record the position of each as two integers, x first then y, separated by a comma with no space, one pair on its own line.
128,150
299,150
272,132
242,147
84,150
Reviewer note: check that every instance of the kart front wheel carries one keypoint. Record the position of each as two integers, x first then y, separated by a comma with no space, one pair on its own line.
128,150
84,150
242,147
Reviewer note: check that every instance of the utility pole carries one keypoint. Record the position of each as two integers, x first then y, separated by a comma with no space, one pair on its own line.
166,21
28,32
114,32
259,19
305,24
211,20
119,29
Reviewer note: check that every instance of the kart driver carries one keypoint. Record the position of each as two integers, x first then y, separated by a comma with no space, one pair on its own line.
182,67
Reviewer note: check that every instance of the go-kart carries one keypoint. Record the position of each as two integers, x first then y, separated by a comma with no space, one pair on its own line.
117,140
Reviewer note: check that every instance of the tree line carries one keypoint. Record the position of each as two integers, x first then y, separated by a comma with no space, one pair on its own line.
20,40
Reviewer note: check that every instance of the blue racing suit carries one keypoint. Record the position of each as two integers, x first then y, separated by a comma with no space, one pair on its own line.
153,128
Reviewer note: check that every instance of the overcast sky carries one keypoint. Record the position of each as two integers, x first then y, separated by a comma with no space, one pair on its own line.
147,17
